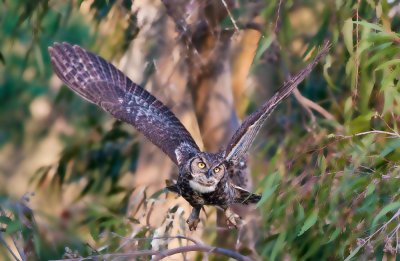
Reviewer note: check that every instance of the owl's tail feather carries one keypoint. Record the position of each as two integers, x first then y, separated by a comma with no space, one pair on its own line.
245,197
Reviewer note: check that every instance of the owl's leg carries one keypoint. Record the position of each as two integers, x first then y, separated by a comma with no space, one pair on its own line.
233,220
194,218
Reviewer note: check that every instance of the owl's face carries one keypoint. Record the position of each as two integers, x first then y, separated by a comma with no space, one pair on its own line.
206,171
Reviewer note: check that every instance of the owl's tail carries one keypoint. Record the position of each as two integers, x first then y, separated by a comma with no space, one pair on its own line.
245,197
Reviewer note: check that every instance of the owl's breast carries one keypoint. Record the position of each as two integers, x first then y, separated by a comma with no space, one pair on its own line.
220,196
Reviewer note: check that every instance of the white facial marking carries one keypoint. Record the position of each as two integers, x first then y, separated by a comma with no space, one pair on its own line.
201,188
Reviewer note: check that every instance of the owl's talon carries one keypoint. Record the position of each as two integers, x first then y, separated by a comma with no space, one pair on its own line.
192,223
233,220
193,219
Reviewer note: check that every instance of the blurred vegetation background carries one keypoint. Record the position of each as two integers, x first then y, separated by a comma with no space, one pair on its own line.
75,183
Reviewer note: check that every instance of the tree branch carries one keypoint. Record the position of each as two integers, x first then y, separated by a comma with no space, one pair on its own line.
4,243
158,255
202,248
307,103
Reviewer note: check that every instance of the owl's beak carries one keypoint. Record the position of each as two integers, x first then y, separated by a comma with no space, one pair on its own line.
209,173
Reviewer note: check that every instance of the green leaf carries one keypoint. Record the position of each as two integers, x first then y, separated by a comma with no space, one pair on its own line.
266,194
348,35
334,235
322,163
388,63
327,65
310,221
392,206
94,230
5,220
353,253
300,211
390,147
370,189
14,226
269,189
278,245
369,25
263,45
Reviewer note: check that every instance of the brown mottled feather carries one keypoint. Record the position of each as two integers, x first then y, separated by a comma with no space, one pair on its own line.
246,133
101,83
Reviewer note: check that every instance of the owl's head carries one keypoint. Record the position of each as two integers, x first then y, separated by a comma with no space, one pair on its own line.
206,170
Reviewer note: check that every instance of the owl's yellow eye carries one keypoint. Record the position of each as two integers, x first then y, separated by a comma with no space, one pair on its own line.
217,169
201,165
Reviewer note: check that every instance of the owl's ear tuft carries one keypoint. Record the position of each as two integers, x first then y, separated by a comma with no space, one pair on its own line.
184,152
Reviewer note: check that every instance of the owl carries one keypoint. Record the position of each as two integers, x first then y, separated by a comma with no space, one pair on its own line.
204,178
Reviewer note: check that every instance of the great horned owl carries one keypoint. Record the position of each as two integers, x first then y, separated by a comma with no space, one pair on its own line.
203,177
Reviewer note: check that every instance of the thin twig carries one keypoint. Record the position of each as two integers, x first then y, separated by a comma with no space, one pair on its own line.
393,134
356,57
2,241
367,239
165,253
201,248
164,237
278,17
230,15
312,105
304,103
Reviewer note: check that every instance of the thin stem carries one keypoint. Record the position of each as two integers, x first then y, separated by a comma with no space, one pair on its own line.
277,21
230,15
164,237
165,253
8,248
393,134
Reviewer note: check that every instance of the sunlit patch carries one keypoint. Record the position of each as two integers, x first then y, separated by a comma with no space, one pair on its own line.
40,108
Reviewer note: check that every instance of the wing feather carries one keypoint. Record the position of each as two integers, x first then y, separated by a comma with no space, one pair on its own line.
245,135
99,82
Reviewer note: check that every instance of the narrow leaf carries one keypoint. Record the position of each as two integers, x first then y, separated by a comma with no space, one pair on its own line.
388,63
392,206
390,147
310,221
353,253
348,35
369,25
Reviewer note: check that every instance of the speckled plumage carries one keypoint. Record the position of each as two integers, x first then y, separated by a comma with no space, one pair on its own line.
204,178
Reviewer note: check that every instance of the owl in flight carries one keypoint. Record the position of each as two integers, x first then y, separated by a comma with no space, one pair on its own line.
204,177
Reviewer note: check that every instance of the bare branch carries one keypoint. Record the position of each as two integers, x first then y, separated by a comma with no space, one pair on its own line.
201,248
165,237
393,134
309,104
165,253
230,15
2,241
278,18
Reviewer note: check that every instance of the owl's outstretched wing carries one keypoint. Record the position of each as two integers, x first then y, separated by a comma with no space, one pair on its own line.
245,135
101,83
